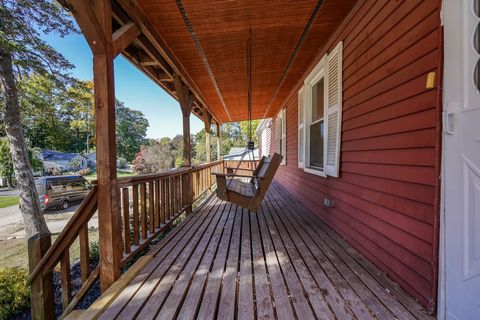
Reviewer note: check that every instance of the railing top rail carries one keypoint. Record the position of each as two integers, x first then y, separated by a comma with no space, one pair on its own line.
206,165
83,214
127,181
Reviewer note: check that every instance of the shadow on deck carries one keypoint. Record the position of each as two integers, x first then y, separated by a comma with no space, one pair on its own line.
283,262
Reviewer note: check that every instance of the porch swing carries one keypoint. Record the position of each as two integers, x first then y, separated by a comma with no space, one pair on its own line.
232,186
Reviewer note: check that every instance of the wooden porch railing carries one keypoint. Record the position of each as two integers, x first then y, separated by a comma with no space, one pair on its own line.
148,205
202,177
41,277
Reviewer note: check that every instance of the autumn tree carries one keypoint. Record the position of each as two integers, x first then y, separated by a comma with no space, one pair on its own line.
23,52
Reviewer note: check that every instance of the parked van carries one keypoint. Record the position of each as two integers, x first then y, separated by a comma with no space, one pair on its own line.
61,191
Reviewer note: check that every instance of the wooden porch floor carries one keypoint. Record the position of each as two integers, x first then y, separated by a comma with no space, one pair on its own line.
283,263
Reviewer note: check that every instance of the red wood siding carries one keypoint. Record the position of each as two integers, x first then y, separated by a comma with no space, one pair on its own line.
387,193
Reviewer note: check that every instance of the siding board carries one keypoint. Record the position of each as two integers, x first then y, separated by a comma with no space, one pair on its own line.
385,195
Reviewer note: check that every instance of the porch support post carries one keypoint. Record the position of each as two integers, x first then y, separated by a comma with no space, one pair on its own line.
218,141
108,211
186,98
207,120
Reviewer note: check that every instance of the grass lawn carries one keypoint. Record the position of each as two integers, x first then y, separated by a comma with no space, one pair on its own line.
8,201
13,253
120,174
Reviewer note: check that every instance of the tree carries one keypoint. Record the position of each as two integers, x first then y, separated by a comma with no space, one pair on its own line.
155,157
22,51
233,134
131,126
77,111
6,163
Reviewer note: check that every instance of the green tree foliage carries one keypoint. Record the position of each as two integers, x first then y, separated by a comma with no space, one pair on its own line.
233,134
57,117
78,113
131,126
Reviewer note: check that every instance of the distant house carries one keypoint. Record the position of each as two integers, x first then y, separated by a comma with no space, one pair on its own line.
62,161
264,134
91,159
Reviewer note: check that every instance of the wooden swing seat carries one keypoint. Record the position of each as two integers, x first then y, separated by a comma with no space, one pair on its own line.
248,194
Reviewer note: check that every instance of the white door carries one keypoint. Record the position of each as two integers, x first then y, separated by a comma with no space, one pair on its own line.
461,155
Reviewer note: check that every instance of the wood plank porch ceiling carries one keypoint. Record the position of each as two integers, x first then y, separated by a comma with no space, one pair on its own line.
221,29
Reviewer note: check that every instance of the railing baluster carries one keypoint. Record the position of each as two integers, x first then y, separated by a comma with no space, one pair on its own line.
151,207
135,215
143,191
163,204
126,220
157,203
84,253
65,278
168,198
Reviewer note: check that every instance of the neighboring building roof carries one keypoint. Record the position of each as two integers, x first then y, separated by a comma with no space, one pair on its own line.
52,155
239,152
262,125
235,151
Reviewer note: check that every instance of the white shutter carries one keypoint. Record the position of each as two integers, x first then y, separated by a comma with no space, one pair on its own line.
301,130
278,132
284,135
333,111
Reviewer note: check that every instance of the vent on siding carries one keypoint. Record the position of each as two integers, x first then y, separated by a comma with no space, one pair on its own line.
333,83
332,138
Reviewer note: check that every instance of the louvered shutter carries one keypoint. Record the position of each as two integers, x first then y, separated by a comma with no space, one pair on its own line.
284,136
278,133
301,130
333,111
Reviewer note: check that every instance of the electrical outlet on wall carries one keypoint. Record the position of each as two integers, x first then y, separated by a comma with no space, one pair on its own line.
329,203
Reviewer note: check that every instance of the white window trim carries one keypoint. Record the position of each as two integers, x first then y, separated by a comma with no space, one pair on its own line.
317,73
332,112
282,115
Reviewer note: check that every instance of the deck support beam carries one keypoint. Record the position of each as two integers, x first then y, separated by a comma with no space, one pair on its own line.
207,120
186,98
124,36
218,141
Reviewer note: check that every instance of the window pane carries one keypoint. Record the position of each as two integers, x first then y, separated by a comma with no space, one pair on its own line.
317,101
316,144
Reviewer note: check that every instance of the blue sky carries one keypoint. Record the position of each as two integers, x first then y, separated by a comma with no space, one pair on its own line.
131,86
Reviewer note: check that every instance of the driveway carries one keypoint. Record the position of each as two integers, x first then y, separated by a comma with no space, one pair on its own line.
11,221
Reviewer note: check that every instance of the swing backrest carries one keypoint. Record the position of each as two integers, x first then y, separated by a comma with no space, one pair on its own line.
262,179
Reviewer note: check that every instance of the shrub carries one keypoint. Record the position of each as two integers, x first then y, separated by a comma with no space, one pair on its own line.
14,292
94,251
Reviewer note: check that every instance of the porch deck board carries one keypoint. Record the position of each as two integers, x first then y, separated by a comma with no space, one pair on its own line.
280,263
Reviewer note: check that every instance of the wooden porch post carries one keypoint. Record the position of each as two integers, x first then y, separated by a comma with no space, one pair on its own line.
218,141
41,290
207,120
185,98
108,211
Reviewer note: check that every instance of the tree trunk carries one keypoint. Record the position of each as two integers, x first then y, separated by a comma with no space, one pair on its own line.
29,202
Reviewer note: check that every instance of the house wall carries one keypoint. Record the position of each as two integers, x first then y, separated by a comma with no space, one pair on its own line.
386,198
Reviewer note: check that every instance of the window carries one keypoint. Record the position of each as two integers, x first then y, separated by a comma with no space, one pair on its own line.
281,134
319,116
